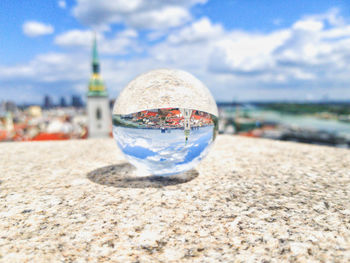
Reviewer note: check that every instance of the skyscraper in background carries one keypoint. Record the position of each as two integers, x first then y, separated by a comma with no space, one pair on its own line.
47,103
76,101
63,102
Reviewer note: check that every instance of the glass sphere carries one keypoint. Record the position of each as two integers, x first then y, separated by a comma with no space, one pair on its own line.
164,121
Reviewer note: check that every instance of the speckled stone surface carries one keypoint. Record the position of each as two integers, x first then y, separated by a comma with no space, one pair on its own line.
253,201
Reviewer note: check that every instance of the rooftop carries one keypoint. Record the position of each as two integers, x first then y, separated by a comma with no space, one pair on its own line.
250,199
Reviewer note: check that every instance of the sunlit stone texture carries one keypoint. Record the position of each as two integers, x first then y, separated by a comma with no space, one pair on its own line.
165,121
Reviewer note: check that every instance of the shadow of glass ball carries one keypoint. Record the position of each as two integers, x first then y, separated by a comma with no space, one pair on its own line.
124,176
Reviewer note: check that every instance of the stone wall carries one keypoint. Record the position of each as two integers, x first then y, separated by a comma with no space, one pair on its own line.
250,200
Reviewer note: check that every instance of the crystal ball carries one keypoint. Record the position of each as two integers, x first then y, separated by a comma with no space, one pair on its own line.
165,121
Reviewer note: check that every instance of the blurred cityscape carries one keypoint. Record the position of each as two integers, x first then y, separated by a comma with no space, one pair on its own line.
325,123
293,56
167,118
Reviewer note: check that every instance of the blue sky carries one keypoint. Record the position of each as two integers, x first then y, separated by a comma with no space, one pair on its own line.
242,50
161,153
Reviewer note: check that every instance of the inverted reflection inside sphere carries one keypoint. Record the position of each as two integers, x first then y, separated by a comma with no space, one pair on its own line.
165,140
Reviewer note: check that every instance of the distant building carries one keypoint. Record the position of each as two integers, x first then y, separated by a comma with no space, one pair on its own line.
47,103
9,125
76,101
34,111
186,113
10,106
63,102
98,109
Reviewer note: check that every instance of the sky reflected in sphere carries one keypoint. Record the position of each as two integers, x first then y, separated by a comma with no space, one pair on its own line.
165,141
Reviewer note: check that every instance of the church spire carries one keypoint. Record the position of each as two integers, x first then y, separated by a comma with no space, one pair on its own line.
95,61
96,85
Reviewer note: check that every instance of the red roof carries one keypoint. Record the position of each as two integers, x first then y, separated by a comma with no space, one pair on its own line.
175,119
19,126
150,113
50,137
3,135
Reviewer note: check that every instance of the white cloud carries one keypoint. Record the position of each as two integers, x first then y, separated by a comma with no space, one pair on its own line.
171,16
34,29
310,56
51,73
120,43
62,4
151,14
171,149
75,38
48,68
308,25
332,17
306,54
200,30
241,53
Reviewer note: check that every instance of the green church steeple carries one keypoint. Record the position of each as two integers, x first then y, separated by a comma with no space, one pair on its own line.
96,85
95,61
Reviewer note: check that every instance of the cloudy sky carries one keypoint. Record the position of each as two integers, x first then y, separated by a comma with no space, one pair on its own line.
241,49
161,153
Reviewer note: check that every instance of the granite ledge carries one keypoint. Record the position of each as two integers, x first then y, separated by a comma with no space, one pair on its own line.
254,200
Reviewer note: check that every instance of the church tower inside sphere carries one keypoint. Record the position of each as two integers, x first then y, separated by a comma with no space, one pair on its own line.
99,114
